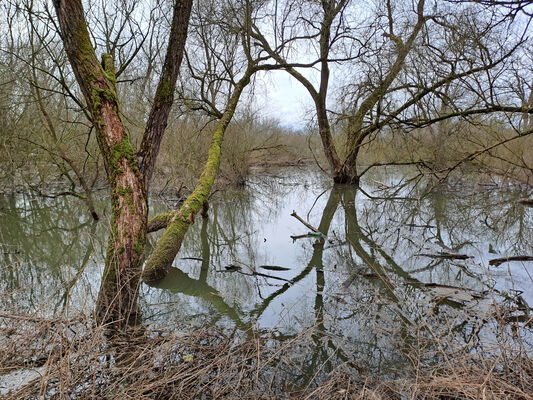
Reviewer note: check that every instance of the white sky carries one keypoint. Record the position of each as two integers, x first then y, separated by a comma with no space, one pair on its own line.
283,98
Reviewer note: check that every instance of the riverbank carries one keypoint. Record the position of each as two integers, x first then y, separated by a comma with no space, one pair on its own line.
71,358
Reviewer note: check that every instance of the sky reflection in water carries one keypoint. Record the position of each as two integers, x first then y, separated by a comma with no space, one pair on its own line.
367,284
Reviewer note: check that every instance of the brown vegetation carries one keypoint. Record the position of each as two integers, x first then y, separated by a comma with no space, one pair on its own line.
76,360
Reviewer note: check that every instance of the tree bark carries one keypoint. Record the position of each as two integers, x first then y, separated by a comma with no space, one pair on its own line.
160,261
117,299
164,96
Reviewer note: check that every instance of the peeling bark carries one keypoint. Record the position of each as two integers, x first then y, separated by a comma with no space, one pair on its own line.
117,299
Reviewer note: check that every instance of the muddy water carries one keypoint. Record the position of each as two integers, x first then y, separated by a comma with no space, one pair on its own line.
390,267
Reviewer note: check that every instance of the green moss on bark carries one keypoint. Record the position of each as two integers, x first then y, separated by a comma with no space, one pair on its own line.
108,68
164,92
161,259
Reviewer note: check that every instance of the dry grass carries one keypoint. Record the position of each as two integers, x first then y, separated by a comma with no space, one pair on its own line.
77,361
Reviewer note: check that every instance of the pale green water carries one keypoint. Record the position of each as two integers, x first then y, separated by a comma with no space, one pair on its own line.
362,292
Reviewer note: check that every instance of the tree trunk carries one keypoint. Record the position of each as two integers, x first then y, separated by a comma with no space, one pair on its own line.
128,172
160,261
117,300
327,139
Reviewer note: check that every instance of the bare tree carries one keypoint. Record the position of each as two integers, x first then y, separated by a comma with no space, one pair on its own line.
129,170
399,59
50,126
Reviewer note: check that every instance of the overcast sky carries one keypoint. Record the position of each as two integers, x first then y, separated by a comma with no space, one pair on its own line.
283,98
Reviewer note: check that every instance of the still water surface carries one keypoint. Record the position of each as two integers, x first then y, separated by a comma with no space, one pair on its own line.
372,284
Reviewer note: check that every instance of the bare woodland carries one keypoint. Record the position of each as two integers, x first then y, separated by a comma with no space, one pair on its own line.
141,98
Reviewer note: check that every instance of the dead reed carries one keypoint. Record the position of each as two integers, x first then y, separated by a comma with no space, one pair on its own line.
76,360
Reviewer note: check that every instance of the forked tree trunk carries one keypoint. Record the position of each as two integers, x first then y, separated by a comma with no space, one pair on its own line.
117,300
356,133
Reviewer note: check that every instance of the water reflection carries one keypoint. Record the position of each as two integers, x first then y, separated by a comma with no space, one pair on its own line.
46,246
178,281
375,284
369,288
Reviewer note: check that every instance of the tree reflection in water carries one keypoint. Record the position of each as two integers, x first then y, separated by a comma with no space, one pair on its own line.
364,295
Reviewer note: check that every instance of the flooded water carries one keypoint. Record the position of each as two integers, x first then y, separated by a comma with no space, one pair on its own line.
389,270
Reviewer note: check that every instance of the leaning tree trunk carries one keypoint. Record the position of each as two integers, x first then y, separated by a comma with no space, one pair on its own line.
178,222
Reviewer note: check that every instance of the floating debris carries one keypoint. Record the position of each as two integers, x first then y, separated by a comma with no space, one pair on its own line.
526,202
313,235
420,226
498,261
232,267
450,256
274,268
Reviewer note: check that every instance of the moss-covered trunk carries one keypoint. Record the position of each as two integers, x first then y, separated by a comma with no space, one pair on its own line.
160,261
128,171
117,301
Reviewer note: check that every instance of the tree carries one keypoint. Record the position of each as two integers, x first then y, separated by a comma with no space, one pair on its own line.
50,128
229,62
37,112
391,62
130,170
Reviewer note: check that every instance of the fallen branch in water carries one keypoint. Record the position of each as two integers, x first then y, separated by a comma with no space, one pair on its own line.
236,268
498,261
449,256
296,237
274,268
193,258
419,226
525,202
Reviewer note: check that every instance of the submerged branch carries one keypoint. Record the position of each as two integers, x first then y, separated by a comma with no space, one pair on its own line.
525,202
498,261
448,256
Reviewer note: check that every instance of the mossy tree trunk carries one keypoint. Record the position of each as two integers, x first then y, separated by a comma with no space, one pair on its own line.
128,171
177,223
50,128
